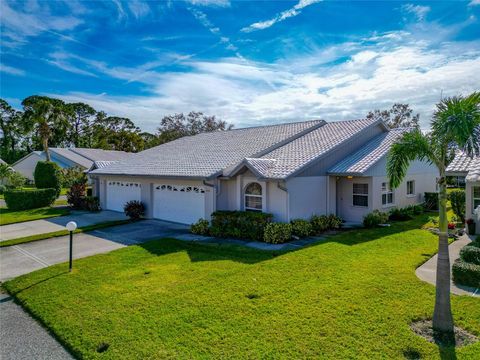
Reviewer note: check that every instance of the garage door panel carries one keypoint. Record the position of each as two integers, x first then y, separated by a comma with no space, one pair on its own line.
179,203
120,192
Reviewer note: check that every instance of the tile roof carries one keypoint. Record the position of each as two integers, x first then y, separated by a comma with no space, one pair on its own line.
101,155
359,162
295,155
74,157
474,172
208,154
461,163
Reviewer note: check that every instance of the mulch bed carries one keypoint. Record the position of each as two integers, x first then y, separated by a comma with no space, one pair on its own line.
424,329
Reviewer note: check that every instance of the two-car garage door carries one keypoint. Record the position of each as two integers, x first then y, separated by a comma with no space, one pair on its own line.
179,203
120,192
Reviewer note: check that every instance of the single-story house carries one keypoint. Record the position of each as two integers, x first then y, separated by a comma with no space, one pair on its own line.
67,158
291,170
463,165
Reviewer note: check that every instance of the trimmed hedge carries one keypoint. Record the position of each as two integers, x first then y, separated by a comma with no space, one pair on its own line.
48,175
201,227
277,233
465,273
29,199
470,254
239,224
301,228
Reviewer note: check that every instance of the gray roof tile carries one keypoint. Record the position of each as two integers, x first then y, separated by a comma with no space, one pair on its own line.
101,155
208,154
359,162
76,158
461,163
474,170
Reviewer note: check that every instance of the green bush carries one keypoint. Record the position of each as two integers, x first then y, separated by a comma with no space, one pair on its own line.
134,209
334,222
470,254
91,203
3,188
73,175
457,200
48,175
319,223
301,228
29,199
374,219
402,214
277,233
16,180
431,200
465,273
239,224
201,227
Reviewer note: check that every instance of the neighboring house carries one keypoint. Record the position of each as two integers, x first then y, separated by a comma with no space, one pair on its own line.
465,166
67,158
290,170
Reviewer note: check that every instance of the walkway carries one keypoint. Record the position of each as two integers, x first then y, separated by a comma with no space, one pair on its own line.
427,271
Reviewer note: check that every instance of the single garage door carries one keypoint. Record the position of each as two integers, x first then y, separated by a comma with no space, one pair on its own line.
179,203
120,192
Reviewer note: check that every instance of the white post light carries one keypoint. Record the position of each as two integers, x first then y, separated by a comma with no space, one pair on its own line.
71,226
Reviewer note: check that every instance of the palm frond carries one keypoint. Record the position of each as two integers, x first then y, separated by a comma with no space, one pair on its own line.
411,146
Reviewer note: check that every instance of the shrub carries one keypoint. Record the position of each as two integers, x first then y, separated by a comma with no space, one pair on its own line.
319,223
76,195
301,228
134,209
201,227
374,219
334,222
3,188
418,209
91,203
457,199
239,224
403,214
29,199
431,201
48,175
16,180
73,175
470,254
465,273
277,233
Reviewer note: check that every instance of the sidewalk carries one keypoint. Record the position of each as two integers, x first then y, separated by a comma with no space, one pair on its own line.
427,271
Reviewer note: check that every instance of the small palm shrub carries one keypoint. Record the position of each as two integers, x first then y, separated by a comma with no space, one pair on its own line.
201,227
134,209
374,219
301,228
277,233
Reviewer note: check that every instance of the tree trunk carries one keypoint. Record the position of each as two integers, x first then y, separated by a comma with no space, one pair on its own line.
45,148
442,314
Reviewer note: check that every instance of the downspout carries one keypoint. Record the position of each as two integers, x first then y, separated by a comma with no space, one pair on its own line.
284,188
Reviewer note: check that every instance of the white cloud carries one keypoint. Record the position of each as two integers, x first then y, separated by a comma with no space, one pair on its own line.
419,11
215,3
11,70
138,8
474,3
294,11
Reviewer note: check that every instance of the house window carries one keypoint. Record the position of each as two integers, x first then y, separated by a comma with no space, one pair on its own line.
387,194
411,188
253,197
360,195
476,197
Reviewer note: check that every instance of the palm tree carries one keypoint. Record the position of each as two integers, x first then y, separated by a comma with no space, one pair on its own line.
455,123
44,114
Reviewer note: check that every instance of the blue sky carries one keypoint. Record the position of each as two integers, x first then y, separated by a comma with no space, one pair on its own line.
248,62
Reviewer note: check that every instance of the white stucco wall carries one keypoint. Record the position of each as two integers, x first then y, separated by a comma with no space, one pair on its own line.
307,196
345,208
469,203
26,167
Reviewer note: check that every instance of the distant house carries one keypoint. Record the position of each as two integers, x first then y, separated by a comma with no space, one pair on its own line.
67,158
290,170
469,168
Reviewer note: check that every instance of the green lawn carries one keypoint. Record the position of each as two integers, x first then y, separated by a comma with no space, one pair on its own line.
352,296
10,217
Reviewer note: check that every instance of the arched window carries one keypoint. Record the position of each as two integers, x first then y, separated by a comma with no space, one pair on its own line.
253,197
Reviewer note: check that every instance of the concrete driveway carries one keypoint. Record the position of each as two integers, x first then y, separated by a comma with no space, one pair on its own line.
24,258
82,218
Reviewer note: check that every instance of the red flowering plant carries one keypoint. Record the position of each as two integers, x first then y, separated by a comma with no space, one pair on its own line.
470,221
451,226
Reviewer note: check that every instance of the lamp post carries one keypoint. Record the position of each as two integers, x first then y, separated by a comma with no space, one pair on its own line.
71,226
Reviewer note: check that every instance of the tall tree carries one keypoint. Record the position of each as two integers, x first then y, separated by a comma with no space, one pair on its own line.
399,115
456,121
116,133
47,117
81,118
178,125
11,132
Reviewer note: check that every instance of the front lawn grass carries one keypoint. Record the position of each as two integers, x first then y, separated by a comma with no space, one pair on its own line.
11,217
49,235
352,296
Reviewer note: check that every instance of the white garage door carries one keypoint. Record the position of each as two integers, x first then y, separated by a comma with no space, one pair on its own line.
179,203
120,192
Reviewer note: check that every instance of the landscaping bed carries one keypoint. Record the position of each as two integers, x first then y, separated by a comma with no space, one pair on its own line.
352,296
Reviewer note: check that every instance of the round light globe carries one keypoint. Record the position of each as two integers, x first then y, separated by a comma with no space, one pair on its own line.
71,226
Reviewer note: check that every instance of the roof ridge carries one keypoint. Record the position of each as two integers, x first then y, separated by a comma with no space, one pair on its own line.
280,124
